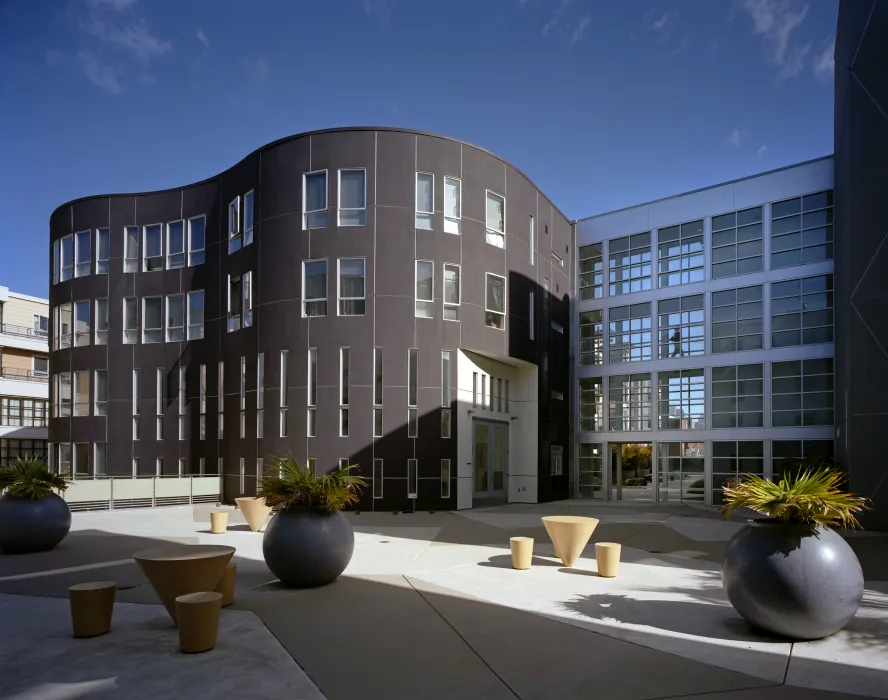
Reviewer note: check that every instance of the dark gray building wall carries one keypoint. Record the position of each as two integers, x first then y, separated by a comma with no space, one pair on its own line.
861,174
390,243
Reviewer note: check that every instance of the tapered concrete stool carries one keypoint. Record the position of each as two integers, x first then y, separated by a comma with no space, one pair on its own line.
255,511
91,607
198,615
219,522
569,535
522,552
607,555
226,585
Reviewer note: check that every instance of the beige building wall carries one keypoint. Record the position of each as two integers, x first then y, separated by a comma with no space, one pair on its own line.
19,311
18,359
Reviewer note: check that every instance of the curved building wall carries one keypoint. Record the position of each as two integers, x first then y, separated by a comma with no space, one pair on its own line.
532,348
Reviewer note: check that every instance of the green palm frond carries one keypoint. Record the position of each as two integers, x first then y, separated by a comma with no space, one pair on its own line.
812,495
288,483
30,477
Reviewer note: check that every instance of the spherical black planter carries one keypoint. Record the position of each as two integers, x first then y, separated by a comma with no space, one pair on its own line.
307,547
796,581
32,525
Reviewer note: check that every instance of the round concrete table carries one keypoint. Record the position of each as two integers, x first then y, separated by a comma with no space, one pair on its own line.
185,568
569,535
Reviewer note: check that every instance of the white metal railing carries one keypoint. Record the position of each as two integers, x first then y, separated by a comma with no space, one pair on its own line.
115,492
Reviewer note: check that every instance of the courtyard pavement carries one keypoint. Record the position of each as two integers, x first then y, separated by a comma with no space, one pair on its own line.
430,608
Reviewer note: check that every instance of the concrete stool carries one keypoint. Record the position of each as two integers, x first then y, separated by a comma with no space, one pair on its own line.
91,607
607,555
522,552
226,585
219,522
198,616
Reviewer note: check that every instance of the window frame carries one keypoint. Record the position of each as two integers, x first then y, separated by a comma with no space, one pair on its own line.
314,300
235,320
182,255
340,298
188,321
426,217
715,265
681,256
87,264
131,263
137,329
100,406
447,304
101,334
235,235
326,209
62,266
103,265
249,229
427,303
487,229
180,336
339,207
144,248
194,253
78,334
453,224
505,310
159,329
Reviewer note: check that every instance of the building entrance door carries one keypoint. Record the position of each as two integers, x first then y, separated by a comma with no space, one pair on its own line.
490,459
631,473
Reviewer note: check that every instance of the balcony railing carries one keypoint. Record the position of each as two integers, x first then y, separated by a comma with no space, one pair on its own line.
23,375
24,332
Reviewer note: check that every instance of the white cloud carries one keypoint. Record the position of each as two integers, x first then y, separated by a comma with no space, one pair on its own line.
105,76
762,150
737,137
380,9
202,38
824,63
662,26
556,18
580,30
776,21
258,68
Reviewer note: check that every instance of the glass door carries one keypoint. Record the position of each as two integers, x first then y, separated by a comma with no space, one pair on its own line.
491,459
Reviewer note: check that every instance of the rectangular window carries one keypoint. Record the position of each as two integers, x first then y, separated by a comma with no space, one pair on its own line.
802,311
377,422
495,301
738,396
377,478
135,392
737,243
352,288
680,254
452,292
235,303
175,244
67,269
412,422
377,376
452,194
65,458
630,333
532,241
82,333
629,264
158,392
506,398
353,197
40,366
681,471
312,391
196,315
474,390
412,376
260,381
152,320
103,250
556,460
101,322
496,220
343,391
591,280
131,249
81,458
203,402
314,200
56,262
175,318
314,288
802,230
101,389
197,240
531,316
82,254
64,393
484,391
557,260
412,477
591,404
629,402
681,326
425,284
681,396
283,388
66,325
158,466
248,217
242,394
248,299
446,393
234,229
425,201
445,478
100,458
591,469
591,338
737,319
81,393
152,245
181,466
802,393
732,459
182,402
788,455
220,393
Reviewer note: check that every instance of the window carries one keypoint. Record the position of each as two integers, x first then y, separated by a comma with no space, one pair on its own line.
152,244
738,396
234,230
730,460
412,477
28,413
103,250
680,254
100,458
65,458
452,195
152,320
63,395
235,303
343,391
591,469
629,402
412,391
681,399
67,271
802,393
40,366
681,471
452,291
591,338
131,249
314,288
425,282
197,240
248,299
630,333
130,320
135,392
202,430
175,318
506,397
56,262
82,395
495,301
802,311
66,325
81,458
182,402
445,478
249,198
220,393
82,253
630,264
243,397
681,326
101,389
737,243
445,393
377,392
591,271
475,390
496,219
787,455
353,197
425,201
175,245
312,390
82,331
158,466
181,466
260,395
352,288
195,315
557,260
532,241
314,200
41,325
556,460
283,390
802,230
101,322
531,316
591,404
377,478
737,319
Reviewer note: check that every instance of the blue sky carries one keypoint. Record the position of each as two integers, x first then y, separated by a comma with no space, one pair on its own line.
602,104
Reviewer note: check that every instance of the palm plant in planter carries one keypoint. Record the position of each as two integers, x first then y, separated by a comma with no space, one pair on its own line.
309,542
790,573
33,518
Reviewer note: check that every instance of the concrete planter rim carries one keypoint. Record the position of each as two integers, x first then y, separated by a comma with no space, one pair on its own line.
774,523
